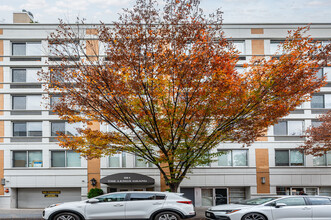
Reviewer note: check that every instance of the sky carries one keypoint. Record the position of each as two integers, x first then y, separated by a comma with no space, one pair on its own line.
235,11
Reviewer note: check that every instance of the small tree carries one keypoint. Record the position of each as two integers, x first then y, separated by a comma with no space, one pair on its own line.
94,192
318,140
169,89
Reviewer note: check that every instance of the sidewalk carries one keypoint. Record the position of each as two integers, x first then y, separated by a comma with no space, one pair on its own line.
35,214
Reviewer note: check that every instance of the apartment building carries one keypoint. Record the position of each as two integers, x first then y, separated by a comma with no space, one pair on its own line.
36,172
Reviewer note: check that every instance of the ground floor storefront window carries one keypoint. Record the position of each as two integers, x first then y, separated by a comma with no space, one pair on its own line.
322,191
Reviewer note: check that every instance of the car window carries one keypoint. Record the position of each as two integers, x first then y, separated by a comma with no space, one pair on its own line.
257,201
112,197
160,196
319,201
294,201
142,196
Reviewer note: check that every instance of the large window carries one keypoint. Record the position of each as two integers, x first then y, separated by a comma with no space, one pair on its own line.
27,158
141,162
240,46
289,128
233,158
275,47
26,49
117,197
59,128
65,159
27,129
324,160
321,101
289,158
117,160
286,190
25,75
28,102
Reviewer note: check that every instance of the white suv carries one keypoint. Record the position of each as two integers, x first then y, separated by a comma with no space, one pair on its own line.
125,205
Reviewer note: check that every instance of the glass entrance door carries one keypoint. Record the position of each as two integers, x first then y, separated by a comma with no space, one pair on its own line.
221,196
207,197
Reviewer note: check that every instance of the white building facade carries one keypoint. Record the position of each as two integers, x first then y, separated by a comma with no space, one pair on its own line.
36,172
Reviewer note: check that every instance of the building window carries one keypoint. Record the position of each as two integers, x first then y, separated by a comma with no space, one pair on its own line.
289,158
117,160
25,75
289,128
26,49
239,46
141,162
321,101
27,158
65,159
27,129
324,160
29,102
59,128
275,47
292,191
233,158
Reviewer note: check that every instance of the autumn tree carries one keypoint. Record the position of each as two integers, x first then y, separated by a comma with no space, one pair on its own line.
168,87
318,138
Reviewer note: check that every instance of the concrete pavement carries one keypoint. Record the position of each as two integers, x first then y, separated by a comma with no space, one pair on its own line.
36,214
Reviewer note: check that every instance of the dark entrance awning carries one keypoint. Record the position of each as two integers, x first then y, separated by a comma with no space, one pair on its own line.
128,178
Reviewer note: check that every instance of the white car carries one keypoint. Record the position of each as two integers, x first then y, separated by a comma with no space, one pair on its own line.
125,205
274,208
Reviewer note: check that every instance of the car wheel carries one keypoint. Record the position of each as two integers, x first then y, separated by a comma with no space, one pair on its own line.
254,216
66,216
167,216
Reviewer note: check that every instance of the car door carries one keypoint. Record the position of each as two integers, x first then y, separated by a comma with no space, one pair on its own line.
110,206
321,208
295,208
141,205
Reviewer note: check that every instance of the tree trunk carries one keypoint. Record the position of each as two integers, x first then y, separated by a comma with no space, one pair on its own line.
173,187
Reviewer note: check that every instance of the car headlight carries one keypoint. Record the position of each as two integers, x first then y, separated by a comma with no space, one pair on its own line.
230,211
53,205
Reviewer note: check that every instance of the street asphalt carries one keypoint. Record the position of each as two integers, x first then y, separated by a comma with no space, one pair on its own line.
36,214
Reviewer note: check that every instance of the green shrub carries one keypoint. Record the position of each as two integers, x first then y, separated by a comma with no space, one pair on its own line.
94,192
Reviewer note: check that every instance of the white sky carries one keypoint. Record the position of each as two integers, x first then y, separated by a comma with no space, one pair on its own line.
235,11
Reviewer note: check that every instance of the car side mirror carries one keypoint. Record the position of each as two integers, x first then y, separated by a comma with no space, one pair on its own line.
279,205
93,200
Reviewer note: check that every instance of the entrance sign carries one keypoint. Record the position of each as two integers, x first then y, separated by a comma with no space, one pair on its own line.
128,178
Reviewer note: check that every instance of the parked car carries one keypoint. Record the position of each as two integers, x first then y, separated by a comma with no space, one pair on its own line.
274,208
124,205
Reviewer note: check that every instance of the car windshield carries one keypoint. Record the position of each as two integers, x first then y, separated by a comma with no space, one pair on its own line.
257,201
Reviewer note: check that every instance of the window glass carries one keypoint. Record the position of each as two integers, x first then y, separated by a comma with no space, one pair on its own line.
33,102
282,158
274,46
34,129
58,158
225,159
327,73
140,162
317,101
58,128
160,197
31,75
55,100
319,161
296,158
19,159
35,158
114,160
19,75
19,102
71,129
123,159
280,128
240,46
19,129
295,128
239,157
328,158
33,48
257,201
19,49
141,196
315,123
327,101
319,201
319,74
297,201
73,159
112,197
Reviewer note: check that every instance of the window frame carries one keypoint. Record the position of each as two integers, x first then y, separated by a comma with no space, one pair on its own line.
287,128
327,163
13,43
323,95
289,157
232,164
122,160
27,152
65,159
26,128
148,164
